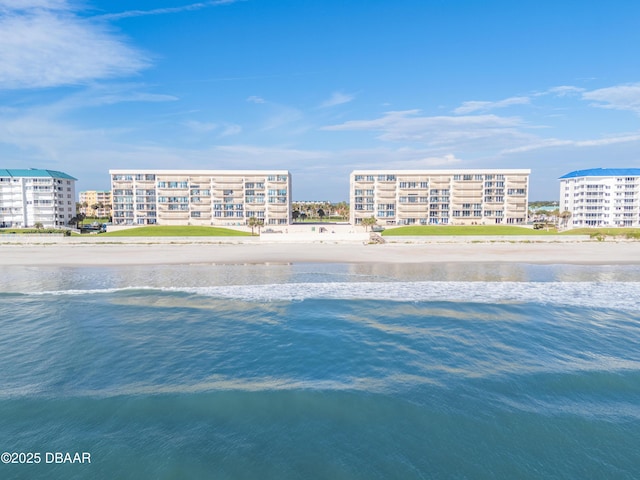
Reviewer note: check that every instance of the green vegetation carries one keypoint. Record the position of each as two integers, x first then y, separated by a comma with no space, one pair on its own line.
178,231
368,222
543,203
602,233
254,222
27,231
595,233
313,212
419,230
89,221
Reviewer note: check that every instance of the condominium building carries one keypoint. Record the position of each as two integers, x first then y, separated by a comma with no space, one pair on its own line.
34,196
95,203
601,197
200,197
440,197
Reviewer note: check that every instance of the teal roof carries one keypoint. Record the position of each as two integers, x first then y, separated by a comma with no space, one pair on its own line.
604,172
34,172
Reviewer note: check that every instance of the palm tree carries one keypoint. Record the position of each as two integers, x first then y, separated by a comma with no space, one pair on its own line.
565,216
342,209
368,222
255,222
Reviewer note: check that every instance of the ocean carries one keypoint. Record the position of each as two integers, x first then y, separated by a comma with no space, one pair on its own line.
320,371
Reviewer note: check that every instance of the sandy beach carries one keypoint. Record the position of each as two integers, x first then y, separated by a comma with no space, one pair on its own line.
587,253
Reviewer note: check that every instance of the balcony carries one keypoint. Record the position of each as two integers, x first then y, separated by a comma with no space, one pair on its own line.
412,208
275,208
200,180
173,215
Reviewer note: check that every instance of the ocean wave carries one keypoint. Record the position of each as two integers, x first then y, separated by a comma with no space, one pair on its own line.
618,295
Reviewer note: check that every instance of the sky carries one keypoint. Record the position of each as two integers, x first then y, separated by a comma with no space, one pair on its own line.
319,87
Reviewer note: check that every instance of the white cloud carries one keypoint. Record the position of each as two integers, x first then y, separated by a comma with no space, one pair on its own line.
476,106
337,98
13,5
164,11
264,154
282,116
620,97
231,129
278,115
224,130
99,95
255,99
42,44
565,90
408,125
200,127
111,94
399,159
554,142
38,136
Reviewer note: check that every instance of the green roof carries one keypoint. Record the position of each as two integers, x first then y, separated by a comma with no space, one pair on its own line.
34,172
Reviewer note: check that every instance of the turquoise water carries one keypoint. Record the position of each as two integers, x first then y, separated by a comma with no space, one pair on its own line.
322,371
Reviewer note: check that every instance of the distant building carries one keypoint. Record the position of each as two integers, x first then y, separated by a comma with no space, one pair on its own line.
440,197
31,196
101,200
200,197
601,197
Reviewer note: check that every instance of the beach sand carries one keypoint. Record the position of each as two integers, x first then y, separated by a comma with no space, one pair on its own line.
586,253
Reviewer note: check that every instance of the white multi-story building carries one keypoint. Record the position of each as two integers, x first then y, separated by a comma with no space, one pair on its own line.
34,196
601,197
440,197
200,197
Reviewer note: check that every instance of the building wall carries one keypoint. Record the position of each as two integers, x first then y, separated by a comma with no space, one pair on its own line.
200,197
601,198
35,196
440,197
95,197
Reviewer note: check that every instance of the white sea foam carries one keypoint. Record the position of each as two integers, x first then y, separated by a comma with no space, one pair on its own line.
619,295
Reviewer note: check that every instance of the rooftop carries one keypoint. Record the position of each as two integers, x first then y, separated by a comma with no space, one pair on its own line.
604,172
34,172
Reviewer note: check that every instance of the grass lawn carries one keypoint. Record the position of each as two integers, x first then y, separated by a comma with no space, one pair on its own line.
177,231
89,221
418,230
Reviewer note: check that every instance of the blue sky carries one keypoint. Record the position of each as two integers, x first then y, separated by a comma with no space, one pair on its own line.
319,87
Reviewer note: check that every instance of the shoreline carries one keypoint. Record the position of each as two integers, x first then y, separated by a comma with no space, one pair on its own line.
121,254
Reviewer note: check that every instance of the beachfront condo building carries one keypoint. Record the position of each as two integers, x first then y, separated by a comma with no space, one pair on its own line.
95,203
200,197
439,197
601,197
31,197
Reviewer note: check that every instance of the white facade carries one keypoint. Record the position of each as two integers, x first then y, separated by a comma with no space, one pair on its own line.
200,197
601,197
31,196
440,197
